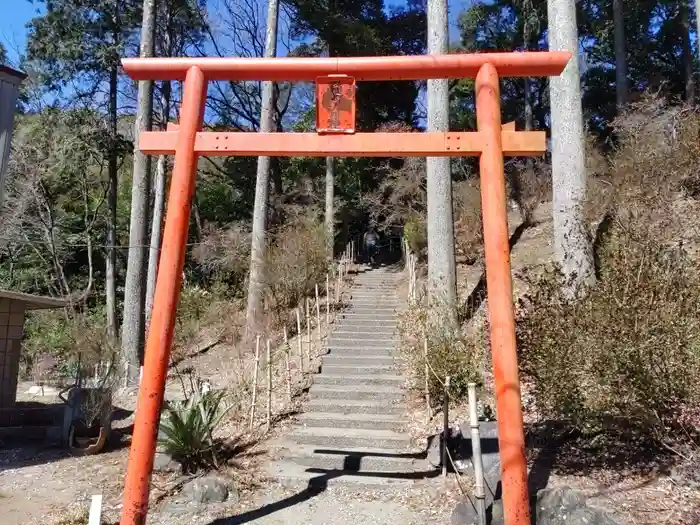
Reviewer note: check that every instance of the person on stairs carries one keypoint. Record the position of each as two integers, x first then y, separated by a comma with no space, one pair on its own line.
370,241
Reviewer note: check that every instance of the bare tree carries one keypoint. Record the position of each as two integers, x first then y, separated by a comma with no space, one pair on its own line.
133,329
572,247
621,91
441,244
262,183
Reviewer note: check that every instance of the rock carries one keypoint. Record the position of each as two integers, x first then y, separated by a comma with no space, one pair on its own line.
464,513
488,432
434,449
209,489
565,506
165,463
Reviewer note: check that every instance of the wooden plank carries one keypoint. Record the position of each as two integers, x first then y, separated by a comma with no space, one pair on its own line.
454,144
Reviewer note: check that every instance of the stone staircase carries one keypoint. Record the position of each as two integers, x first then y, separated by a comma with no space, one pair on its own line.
351,429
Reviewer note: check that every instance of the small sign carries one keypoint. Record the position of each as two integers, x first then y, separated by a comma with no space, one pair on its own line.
335,104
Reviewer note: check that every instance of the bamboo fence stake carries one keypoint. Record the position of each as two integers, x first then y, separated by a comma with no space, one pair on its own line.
318,316
427,377
299,342
445,424
337,286
269,386
289,373
308,332
328,301
479,491
255,380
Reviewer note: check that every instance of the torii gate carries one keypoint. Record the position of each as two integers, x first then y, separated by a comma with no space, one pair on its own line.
335,136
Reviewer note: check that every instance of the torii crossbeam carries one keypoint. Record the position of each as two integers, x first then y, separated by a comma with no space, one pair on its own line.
335,78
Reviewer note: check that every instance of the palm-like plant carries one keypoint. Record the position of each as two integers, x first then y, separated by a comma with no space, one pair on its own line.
189,427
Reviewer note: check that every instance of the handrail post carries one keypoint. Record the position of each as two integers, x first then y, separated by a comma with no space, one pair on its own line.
167,295
511,438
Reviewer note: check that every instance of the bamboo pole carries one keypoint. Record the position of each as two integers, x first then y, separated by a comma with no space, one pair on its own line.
299,342
318,317
427,377
269,386
337,286
445,425
287,351
308,332
479,491
328,300
255,380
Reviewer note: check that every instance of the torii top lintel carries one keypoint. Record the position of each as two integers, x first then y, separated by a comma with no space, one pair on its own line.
415,67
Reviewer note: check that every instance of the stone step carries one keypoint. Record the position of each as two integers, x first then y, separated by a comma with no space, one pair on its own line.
353,406
361,421
363,328
370,316
357,370
375,301
358,459
343,336
350,437
389,318
387,394
359,360
326,378
299,477
374,306
363,346
360,351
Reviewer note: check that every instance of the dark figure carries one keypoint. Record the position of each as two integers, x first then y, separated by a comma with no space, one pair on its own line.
370,241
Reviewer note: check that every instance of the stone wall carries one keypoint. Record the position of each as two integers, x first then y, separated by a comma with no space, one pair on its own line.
11,326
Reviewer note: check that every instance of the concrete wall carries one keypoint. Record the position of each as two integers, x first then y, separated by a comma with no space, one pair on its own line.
11,327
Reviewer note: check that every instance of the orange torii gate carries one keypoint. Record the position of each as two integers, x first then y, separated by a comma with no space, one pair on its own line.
335,78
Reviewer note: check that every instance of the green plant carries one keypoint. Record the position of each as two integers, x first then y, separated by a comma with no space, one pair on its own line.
416,234
188,429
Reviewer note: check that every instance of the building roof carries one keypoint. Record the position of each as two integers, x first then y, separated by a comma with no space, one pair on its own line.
15,74
33,302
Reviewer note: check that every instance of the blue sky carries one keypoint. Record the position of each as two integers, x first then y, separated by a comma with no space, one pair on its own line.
16,14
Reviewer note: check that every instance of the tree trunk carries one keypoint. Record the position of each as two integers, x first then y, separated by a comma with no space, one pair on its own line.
111,259
441,252
133,329
330,216
687,52
256,284
571,241
156,233
621,90
697,24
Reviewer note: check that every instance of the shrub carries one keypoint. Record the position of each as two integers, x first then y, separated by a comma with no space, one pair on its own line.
296,262
469,235
416,235
627,350
450,353
62,340
224,257
529,184
188,429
